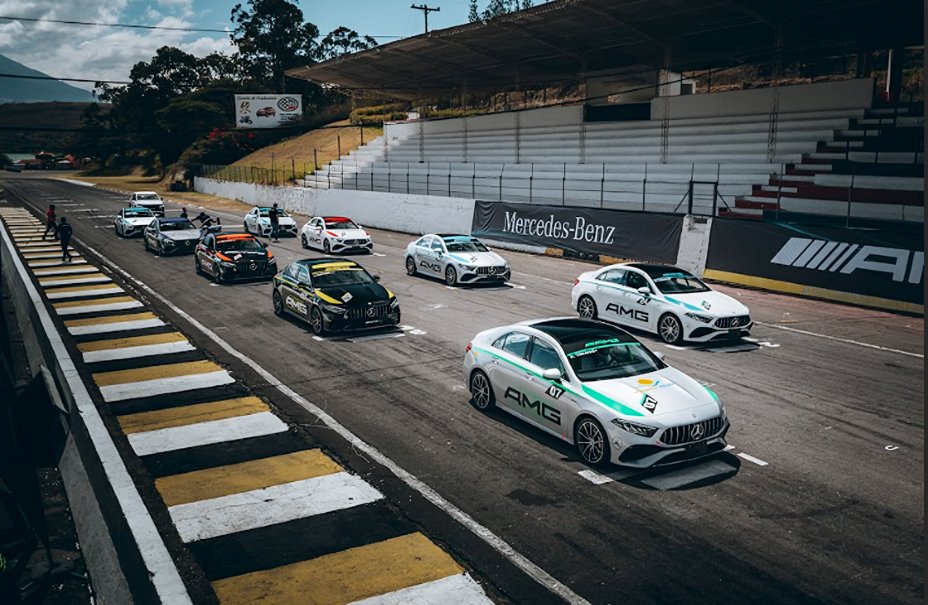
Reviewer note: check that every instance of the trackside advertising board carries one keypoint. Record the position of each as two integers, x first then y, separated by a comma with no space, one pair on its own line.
872,262
267,111
651,237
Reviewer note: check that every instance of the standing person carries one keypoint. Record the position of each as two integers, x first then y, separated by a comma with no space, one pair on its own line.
64,234
275,222
50,223
183,213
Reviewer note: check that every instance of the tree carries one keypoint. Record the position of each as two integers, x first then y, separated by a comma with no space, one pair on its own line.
342,41
472,14
271,38
5,161
181,122
495,8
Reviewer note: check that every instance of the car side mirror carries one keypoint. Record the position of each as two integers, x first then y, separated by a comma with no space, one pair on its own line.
376,277
551,374
659,355
644,290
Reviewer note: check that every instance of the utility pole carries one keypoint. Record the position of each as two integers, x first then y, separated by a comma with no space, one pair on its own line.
426,9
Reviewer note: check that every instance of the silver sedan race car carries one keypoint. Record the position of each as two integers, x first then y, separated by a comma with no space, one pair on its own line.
335,234
258,222
595,386
458,259
671,302
132,221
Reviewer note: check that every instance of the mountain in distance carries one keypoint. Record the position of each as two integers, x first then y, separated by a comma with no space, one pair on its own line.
27,90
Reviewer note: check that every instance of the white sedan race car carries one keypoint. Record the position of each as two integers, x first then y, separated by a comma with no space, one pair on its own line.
661,299
132,221
335,234
459,259
595,386
258,222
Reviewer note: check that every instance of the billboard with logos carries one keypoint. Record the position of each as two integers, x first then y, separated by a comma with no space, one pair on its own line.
267,111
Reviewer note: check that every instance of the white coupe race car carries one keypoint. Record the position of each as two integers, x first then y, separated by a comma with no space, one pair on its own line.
335,234
459,259
258,222
595,386
665,300
132,221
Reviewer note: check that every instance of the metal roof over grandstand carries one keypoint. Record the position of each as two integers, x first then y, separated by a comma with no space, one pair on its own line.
566,40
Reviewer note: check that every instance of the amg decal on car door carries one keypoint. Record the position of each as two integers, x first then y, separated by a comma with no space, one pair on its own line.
542,409
635,314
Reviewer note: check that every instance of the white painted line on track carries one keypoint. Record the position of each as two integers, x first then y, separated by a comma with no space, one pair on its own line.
270,505
844,340
594,477
676,348
165,348
76,281
57,263
516,286
139,324
378,254
749,458
133,304
553,281
206,433
459,589
161,386
728,448
64,271
53,295
497,543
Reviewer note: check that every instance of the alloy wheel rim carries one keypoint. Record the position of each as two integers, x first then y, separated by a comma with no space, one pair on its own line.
586,308
590,440
480,390
410,266
669,329
450,276
278,307
316,320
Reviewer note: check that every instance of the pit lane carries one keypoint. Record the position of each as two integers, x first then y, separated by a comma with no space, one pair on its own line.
834,516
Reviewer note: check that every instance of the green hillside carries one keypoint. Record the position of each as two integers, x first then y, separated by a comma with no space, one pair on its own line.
23,126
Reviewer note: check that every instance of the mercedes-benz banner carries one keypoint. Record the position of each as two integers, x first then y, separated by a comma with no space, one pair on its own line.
636,235
267,111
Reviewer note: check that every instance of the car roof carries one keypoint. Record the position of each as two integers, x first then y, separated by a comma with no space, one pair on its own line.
335,218
222,236
146,192
571,330
652,268
310,262
454,236
173,219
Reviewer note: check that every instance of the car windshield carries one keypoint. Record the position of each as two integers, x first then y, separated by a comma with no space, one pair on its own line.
176,226
147,196
464,245
610,358
280,212
243,244
138,212
330,224
339,274
671,280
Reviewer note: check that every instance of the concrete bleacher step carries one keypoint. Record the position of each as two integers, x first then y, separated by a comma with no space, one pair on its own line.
751,202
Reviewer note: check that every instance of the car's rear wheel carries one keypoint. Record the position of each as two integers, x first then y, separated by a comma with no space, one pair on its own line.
217,276
586,307
116,229
315,321
145,244
481,393
410,266
451,276
245,227
326,247
196,265
591,441
670,329
278,303
303,241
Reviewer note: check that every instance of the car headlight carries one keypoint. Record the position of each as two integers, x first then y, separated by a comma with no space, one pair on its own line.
335,310
469,267
703,318
394,303
168,242
634,429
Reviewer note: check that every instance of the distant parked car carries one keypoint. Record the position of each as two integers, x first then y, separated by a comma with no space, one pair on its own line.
266,112
148,199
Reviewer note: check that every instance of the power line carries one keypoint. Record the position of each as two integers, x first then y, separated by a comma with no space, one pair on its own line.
127,25
25,77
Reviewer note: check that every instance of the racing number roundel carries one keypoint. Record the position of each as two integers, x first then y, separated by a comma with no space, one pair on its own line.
287,104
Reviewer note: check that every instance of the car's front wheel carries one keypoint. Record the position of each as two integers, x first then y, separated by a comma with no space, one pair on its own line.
591,441
670,329
278,303
145,244
326,247
245,227
586,307
218,276
315,321
451,276
303,241
410,266
481,393
196,265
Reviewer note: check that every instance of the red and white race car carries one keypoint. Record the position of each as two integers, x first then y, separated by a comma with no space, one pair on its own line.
335,234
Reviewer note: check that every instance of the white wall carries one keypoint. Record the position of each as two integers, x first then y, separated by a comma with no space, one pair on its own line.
694,244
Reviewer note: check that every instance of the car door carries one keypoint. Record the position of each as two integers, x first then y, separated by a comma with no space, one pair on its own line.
609,293
316,227
543,403
249,221
436,257
206,254
420,251
640,309
509,373
119,225
151,234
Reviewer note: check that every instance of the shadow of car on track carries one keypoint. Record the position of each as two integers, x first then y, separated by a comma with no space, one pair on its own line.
728,345
692,474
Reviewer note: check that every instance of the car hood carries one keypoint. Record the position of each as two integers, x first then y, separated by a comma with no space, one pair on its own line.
354,296
664,392
480,259
147,203
182,235
139,222
245,255
708,303
348,233
283,220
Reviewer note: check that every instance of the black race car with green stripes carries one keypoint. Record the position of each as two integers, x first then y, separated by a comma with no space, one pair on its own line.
334,294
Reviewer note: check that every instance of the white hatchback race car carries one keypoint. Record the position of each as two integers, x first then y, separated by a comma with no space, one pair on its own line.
258,222
662,299
595,386
335,234
132,221
458,259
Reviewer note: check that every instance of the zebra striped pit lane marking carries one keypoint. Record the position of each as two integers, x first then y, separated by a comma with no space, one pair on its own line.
270,505
36,249
141,422
206,433
64,271
94,305
452,590
83,291
56,263
160,380
134,346
346,576
218,482
113,323
41,255
73,280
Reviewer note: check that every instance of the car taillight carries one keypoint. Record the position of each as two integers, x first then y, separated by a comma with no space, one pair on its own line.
576,280
467,348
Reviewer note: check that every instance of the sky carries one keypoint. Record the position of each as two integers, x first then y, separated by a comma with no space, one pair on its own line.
108,53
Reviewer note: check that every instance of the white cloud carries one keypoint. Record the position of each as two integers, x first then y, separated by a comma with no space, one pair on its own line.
93,52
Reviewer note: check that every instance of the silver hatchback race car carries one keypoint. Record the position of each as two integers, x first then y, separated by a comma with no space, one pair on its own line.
595,386
458,259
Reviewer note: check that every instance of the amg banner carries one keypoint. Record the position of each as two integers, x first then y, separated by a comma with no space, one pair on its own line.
873,262
636,235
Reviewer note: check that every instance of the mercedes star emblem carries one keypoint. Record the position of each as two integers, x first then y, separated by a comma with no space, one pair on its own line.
696,431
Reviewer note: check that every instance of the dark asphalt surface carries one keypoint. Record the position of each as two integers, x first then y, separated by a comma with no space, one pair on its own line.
834,516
